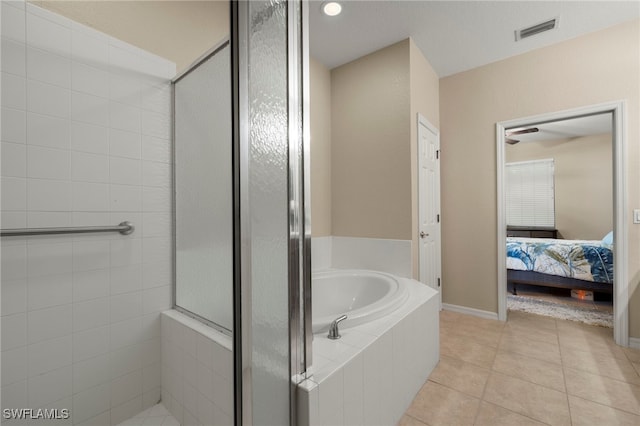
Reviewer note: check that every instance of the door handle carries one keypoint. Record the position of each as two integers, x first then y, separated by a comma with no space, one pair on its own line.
423,234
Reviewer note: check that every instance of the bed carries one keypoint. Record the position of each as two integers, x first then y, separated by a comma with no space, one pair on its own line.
571,264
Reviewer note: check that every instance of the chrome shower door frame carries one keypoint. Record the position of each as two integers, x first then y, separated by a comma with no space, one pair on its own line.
297,210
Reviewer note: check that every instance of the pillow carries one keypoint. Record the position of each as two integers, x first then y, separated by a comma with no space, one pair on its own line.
608,239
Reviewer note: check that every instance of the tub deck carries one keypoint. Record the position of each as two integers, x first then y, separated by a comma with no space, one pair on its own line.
371,375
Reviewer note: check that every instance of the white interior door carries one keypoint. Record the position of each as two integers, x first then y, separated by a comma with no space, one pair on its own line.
429,204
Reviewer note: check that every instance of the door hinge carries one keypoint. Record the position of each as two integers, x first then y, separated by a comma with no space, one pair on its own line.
438,282
437,154
438,218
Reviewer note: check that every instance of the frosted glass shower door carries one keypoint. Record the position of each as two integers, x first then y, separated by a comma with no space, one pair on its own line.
204,190
270,346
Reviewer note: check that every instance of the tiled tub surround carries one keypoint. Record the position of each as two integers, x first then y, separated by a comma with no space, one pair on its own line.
376,254
197,371
85,142
371,375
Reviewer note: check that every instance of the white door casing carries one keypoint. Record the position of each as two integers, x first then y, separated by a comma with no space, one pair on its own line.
620,227
429,238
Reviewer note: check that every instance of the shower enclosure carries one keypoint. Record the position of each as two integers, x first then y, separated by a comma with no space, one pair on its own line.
203,190
242,233
115,310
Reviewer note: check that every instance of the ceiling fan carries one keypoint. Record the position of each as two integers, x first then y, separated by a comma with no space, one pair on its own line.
510,133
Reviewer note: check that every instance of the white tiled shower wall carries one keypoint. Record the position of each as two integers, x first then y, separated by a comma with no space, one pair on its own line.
85,141
197,368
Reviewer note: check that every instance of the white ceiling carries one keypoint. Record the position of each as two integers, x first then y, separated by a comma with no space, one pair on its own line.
454,36
566,129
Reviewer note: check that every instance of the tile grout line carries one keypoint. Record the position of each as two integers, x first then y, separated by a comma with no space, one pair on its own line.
484,388
416,419
567,367
607,406
564,377
564,367
482,399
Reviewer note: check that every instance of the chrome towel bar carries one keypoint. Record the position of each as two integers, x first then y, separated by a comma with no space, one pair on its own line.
125,228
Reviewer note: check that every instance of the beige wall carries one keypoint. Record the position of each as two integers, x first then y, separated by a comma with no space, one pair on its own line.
320,111
180,31
370,150
583,182
374,105
425,100
595,68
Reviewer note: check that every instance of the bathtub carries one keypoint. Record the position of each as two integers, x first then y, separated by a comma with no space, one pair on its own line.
388,348
361,295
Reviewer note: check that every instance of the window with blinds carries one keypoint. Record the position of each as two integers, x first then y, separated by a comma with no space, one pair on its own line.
530,193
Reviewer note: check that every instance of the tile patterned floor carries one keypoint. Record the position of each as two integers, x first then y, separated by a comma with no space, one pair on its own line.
531,370
157,415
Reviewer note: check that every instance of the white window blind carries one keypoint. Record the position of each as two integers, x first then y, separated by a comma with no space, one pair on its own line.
530,193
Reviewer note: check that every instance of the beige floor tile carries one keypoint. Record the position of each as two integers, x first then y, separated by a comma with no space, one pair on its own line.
450,316
536,356
574,327
538,334
461,376
531,400
470,325
485,324
580,336
605,347
465,349
530,369
494,415
546,351
531,320
596,363
410,421
587,413
438,405
610,392
632,354
448,327
489,336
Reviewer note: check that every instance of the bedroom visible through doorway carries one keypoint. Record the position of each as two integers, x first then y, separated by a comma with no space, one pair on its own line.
553,173
560,180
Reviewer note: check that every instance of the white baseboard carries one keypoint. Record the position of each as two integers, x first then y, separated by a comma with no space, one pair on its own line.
634,342
470,311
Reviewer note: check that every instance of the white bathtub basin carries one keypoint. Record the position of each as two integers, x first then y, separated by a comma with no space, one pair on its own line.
361,295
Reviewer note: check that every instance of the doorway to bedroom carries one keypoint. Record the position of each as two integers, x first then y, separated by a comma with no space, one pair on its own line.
559,214
560,177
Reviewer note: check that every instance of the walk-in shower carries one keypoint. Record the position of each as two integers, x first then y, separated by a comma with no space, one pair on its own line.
203,190
241,237
85,159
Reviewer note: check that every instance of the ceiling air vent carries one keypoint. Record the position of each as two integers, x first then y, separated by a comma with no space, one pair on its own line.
537,29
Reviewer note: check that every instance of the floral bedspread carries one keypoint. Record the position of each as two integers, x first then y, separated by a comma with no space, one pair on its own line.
583,260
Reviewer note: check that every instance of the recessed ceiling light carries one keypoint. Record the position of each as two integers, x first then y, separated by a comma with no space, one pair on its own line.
331,8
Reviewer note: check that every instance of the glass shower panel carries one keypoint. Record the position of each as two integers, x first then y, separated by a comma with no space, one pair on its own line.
203,190
267,90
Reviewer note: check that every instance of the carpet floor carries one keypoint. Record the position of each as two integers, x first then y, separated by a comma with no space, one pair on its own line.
549,308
